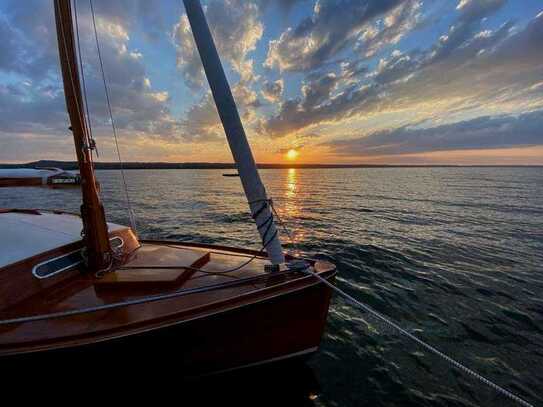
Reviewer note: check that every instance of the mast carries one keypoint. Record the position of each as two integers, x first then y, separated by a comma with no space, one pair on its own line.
235,134
95,232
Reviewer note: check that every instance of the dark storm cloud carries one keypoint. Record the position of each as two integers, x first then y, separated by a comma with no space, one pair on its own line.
481,133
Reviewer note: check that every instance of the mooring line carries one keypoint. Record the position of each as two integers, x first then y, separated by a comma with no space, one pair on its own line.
421,343
402,331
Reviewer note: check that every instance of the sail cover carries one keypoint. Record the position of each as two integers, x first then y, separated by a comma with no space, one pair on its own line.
31,177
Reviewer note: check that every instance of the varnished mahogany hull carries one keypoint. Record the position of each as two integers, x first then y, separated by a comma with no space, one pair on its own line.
206,308
288,325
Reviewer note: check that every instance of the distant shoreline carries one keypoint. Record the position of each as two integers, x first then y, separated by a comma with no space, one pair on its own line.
72,165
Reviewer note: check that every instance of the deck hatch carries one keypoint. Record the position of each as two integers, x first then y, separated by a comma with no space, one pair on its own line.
57,265
67,261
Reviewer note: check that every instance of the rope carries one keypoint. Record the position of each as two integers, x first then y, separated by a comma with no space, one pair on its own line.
131,214
267,223
461,367
423,344
159,267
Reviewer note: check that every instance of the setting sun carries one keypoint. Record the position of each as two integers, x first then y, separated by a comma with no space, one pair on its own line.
292,154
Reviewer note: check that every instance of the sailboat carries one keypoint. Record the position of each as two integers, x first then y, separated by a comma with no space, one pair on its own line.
74,284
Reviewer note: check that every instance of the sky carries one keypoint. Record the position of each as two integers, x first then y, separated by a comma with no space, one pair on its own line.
339,81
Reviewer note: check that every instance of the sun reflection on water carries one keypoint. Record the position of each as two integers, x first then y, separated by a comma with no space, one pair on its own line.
292,186
291,209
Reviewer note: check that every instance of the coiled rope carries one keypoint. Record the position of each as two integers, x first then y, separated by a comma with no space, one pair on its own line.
433,350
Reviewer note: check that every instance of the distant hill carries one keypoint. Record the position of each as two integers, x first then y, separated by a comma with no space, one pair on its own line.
72,165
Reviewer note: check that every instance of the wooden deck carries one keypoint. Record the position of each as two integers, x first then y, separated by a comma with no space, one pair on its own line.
196,283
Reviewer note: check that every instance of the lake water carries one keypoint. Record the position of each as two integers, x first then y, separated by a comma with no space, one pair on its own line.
454,255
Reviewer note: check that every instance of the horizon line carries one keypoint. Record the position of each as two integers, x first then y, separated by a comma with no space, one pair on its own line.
130,165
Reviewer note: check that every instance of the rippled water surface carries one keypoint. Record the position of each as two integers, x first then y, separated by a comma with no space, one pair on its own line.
454,255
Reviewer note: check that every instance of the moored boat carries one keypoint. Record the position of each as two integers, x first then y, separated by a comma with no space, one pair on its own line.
75,285
188,298
35,177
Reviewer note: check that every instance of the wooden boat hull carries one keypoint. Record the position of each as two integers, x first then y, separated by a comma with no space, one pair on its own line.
210,308
288,325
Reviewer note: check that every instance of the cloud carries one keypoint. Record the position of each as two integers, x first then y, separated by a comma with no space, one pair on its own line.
391,29
147,16
188,59
344,70
471,14
488,132
318,104
284,5
337,25
9,57
471,10
485,69
46,113
202,122
236,29
272,91
34,101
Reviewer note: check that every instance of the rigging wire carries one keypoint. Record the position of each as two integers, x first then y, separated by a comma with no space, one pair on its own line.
429,348
91,144
131,213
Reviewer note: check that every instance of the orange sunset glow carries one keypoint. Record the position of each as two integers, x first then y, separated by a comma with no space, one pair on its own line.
466,90
292,154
